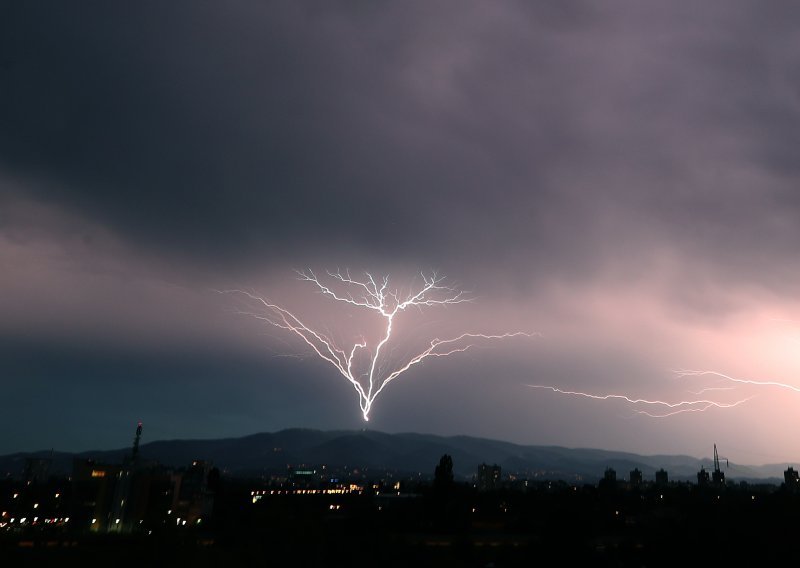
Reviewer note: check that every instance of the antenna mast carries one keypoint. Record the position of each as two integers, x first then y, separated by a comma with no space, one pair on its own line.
135,453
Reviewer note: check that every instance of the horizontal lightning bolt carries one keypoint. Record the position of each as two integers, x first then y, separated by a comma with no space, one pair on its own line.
667,408
673,407
708,389
692,373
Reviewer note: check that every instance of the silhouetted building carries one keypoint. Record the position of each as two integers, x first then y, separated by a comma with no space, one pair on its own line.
703,477
152,498
37,470
116,498
93,489
662,478
791,480
488,477
636,478
609,480
443,474
193,499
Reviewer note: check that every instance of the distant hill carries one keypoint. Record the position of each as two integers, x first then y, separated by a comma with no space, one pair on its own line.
409,453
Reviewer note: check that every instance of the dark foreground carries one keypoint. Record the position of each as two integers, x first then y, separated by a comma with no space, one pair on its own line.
454,526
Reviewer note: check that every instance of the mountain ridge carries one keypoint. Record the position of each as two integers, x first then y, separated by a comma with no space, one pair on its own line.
408,452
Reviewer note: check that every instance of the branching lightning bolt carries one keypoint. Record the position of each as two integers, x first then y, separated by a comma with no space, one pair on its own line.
372,294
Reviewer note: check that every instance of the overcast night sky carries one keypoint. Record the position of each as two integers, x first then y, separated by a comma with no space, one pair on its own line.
621,177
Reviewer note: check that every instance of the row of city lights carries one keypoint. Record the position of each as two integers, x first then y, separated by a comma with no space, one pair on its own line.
24,520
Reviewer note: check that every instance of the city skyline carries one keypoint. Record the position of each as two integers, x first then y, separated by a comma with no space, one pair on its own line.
617,180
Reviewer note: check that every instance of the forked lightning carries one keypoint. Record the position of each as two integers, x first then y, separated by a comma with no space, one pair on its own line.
375,295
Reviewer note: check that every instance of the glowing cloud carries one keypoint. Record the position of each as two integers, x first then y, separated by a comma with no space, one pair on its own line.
365,364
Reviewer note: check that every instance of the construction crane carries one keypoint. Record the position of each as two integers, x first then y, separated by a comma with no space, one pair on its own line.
718,477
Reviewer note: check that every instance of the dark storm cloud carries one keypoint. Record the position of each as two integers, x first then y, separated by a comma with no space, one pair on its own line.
469,131
200,126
